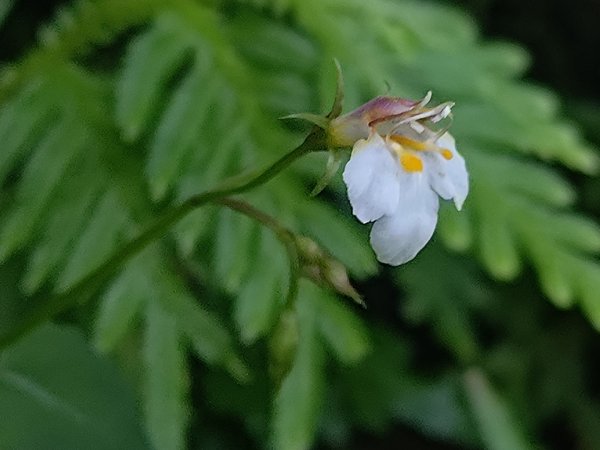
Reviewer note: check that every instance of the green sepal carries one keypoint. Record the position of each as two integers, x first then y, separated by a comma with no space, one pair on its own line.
333,164
338,101
320,121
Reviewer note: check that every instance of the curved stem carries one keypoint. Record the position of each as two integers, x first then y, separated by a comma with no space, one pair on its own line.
285,236
84,288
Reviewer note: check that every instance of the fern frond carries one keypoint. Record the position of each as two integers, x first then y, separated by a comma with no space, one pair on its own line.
260,299
152,59
42,175
122,302
100,237
71,208
75,29
22,120
166,383
298,401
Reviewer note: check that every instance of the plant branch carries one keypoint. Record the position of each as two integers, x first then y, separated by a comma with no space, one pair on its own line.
81,291
285,236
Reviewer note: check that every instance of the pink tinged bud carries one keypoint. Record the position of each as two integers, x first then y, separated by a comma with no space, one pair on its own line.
382,114
347,129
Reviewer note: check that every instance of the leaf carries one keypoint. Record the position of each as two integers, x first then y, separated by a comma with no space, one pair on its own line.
70,211
166,387
273,45
434,408
208,337
341,328
97,241
447,302
497,244
262,295
547,140
339,236
42,175
499,429
5,8
455,227
382,389
55,390
22,120
121,303
151,59
234,248
298,401
179,129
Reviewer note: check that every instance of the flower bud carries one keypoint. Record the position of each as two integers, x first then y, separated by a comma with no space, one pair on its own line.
324,270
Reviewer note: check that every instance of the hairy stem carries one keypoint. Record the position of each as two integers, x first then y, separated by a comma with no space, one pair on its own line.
82,290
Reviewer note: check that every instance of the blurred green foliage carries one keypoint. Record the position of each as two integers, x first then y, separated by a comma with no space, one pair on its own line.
125,107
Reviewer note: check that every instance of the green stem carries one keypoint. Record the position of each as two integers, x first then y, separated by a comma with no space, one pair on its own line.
285,236
83,289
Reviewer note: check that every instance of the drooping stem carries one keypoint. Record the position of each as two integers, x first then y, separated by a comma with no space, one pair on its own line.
285,236
82,290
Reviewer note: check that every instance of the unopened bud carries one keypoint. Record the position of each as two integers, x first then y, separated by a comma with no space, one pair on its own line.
324,270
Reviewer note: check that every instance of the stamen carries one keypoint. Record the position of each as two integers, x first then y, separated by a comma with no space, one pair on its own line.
408,142
420,146
425,100
416,126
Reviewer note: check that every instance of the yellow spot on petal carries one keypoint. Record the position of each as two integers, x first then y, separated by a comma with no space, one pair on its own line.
411,163
447,154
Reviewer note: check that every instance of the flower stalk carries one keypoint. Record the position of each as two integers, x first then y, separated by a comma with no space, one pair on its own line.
44,309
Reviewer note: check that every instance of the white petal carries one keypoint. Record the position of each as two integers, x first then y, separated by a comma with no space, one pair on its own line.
371,178
449,178
397,238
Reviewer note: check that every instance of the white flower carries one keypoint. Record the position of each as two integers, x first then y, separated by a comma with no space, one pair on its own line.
397,170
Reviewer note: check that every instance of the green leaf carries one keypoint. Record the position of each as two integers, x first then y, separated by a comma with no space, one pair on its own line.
437,26
519,176
209,338
499,429
262,295
179,129
382,389
273,45
588,283
341,328
298,401
22,120
447,304
54,390
339,236
545,139
434,407
97,241
554,271
151,59
44,172
455,227
5,8
234,248
70,211
497,244
122,302
204,171
166,387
